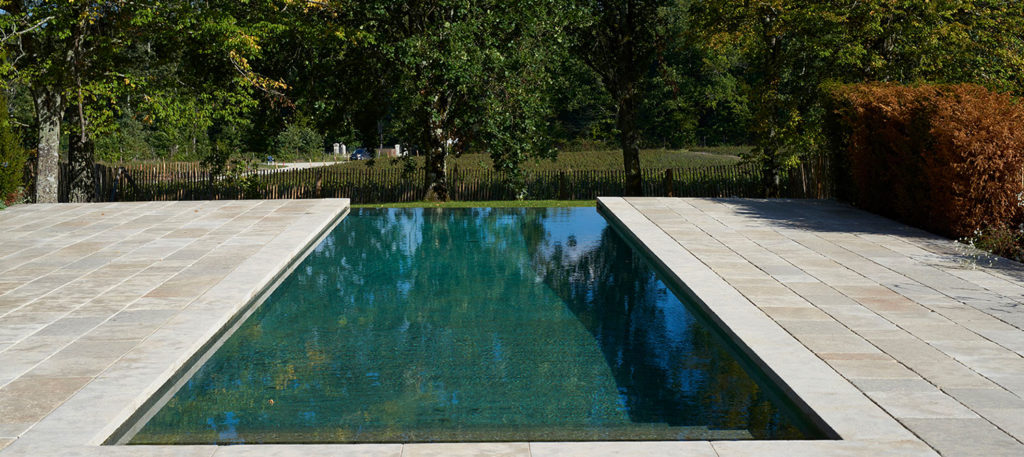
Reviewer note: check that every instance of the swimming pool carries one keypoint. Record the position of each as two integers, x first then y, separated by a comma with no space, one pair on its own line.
420,325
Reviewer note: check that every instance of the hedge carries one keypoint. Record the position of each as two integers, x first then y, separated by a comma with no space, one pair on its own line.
949,159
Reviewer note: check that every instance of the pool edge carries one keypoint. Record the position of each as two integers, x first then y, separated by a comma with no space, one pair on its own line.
845,410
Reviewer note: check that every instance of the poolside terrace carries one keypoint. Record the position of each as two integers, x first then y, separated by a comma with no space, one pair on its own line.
900,342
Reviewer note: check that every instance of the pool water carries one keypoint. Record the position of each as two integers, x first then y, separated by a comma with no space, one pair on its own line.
423,325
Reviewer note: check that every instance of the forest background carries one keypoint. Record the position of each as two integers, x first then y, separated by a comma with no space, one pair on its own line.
218,80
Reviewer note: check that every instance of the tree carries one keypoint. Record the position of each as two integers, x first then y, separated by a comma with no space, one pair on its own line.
63,49
620,41
91,63
468,74
790,50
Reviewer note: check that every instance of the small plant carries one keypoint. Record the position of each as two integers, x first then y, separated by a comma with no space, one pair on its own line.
1001,240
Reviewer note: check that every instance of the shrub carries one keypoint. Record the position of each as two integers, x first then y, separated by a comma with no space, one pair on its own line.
1000,240
298,141
949,159
12,158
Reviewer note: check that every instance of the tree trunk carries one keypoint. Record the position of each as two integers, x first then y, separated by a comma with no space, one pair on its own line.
48,111
771,177
82,171
629,138
437,174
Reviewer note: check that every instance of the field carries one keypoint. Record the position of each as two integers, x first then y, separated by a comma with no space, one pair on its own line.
581,176
578,161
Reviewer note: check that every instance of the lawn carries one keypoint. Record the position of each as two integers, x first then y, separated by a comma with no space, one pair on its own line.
581,160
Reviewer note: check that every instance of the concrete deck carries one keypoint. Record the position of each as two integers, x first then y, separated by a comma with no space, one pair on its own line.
929,332
887,333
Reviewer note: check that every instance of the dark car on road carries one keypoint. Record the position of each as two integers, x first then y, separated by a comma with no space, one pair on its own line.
359,154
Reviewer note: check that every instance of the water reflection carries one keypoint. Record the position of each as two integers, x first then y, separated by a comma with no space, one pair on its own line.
469,325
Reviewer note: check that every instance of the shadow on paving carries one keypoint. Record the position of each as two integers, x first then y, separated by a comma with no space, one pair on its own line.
837,217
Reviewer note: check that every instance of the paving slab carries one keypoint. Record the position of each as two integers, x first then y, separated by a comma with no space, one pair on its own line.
929,330
965,437
101,305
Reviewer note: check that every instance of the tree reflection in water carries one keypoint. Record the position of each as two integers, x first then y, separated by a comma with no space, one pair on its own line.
668,366
469,325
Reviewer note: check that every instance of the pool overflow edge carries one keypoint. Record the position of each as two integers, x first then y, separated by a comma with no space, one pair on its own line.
138,419
746,354
127,430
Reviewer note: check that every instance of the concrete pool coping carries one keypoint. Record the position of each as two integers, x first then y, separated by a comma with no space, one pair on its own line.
87,418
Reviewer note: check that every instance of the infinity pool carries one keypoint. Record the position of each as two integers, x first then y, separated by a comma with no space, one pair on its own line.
421,325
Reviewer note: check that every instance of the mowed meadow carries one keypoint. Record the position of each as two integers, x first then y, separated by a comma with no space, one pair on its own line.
573,176
604,160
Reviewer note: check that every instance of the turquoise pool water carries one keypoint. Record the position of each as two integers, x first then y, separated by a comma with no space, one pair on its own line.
419,325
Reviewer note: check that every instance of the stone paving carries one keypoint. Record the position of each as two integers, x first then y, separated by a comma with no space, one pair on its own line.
100,301
885,332
932,333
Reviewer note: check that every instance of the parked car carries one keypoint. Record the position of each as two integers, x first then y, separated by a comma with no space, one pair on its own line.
359,154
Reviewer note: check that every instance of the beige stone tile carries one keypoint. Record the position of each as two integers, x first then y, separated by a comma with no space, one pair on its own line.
965,437
622,449
467,449
908,448
14,429
983,399
1007,419
921,405
893,385
311,450
808,313
872,369
82,358
834,344
28,400
70,326
149,451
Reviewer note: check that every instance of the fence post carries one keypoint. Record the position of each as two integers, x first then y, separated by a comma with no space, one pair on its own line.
669,183
562,188
319,184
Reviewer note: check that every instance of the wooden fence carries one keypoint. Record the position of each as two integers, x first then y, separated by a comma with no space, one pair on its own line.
192,182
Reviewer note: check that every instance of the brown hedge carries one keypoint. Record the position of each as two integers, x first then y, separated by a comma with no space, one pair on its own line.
949,159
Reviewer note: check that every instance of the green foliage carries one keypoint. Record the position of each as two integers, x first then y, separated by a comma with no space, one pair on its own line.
12,158
469,75
298,141
787,51
215,80
1000,240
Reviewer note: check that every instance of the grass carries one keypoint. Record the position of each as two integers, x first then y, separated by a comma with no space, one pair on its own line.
486,204
572,161
722,150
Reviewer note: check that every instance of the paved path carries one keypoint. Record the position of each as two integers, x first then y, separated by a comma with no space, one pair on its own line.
304,165
930,332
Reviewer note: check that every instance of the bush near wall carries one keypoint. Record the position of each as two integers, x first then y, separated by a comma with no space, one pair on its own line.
949,159
12,159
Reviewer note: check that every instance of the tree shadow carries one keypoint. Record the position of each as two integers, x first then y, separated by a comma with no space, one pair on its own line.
828,216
